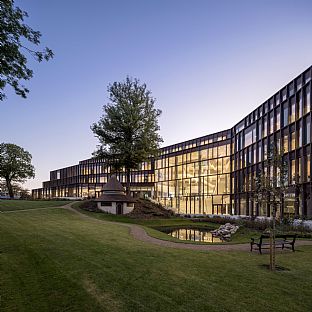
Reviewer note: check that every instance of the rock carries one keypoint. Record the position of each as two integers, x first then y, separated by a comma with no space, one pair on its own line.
225,231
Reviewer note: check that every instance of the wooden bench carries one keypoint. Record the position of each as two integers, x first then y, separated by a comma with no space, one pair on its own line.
281,241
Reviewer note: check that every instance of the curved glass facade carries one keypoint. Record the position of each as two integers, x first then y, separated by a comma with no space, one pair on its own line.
213,174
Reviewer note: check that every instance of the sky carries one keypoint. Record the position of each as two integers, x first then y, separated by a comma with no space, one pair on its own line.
208,64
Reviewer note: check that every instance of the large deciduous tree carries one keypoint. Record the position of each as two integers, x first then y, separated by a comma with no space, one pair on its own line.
15,165
14,35
128,129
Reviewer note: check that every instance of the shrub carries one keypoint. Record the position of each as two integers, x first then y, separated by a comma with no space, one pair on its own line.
89,205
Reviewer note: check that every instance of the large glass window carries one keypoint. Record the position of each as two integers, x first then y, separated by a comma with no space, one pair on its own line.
260,129
221,150
171,161
204,154
194,186
293,141
222,184
278,120
285,143
300,134
299,100
194,156
179,159
285,114
292,115
292,171
265,128
204,167
277,99
307,99
284,94
271,122
299,83
299,170
226,165
250,135
190,170
308,131
219,165
212,184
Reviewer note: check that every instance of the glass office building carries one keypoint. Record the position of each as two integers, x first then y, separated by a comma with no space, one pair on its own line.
214,174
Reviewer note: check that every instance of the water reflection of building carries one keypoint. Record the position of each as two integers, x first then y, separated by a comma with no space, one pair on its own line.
196,235
213,174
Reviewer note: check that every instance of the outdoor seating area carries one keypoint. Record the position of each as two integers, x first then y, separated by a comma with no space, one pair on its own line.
282,241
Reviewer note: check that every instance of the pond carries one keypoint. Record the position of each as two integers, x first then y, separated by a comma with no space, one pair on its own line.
192,234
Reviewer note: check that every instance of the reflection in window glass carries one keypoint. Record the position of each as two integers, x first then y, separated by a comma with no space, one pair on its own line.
204,154
285,114
278,120
307,99
308,132
212,185
226,165
222,184
285,143
300,135
212,165
299,100
293,141
271,122
292,115
265,128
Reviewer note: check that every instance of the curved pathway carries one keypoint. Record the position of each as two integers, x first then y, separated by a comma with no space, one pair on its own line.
140,234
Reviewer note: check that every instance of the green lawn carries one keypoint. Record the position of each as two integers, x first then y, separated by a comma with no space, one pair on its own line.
9,205
151,226
52,260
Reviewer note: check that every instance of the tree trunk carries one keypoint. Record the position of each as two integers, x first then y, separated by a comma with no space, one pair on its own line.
10,188
271,250
128,181
273,238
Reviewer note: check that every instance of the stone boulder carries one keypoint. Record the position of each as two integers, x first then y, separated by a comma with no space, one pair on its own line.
225,231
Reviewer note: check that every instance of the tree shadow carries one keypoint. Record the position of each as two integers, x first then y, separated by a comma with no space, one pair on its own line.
278,268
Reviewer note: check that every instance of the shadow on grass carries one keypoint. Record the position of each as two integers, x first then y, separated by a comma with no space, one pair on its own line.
278,268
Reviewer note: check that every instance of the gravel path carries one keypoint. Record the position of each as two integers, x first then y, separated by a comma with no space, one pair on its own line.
140,234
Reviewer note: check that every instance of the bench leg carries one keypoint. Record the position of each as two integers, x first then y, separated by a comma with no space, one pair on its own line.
293,247
251,245
260,251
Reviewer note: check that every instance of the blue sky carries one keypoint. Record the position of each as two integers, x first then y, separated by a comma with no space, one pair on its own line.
208,63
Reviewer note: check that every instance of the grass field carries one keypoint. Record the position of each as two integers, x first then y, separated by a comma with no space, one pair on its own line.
10,205
52,260
242,236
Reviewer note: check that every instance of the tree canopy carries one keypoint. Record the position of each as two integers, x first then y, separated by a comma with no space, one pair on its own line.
14,34
15,165
128,129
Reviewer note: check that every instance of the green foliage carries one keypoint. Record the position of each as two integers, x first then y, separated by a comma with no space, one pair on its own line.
15,165
13,35
128,129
